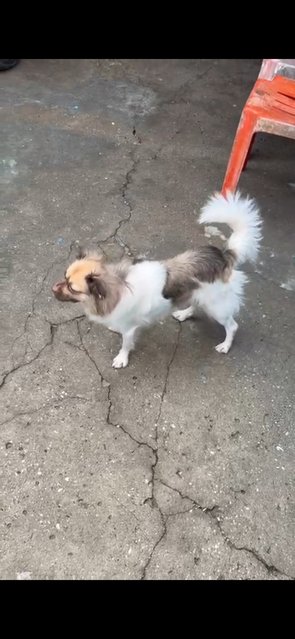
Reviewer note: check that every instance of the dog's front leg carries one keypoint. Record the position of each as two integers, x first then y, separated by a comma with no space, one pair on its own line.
127,345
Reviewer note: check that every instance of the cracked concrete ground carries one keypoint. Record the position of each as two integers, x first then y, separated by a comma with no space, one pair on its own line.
182,465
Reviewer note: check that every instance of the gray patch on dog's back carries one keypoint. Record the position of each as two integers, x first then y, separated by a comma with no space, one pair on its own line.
138,260
185,272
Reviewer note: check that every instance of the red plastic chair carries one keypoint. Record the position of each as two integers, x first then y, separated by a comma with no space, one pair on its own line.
277,66
269,108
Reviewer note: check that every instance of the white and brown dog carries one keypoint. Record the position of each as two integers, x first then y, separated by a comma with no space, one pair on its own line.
129,295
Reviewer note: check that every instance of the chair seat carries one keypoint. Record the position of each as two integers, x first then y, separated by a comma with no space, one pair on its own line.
274,99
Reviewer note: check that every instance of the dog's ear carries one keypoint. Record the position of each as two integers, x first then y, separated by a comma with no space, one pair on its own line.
81,253
96,286
91,254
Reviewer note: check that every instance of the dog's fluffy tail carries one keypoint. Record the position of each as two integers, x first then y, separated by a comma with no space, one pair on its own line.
242,216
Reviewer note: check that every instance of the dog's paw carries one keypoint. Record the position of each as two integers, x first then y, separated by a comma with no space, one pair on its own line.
222,348
120,361
181,315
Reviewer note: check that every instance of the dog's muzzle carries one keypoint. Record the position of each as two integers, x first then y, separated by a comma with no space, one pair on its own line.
59,291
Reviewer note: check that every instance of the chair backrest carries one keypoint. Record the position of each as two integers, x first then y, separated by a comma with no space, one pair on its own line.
275,66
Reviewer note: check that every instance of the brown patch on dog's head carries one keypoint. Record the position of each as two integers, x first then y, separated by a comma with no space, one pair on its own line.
92,282
187,271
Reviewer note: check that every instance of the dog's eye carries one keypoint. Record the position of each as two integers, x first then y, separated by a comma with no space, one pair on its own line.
70,288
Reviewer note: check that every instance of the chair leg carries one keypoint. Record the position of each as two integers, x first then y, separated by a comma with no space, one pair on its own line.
239,152
249,151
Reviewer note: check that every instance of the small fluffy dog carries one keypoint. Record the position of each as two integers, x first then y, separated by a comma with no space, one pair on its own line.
133,294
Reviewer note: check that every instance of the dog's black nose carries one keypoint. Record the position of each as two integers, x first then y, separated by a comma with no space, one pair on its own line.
56,287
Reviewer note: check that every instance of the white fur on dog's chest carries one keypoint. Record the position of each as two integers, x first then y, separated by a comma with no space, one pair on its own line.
142,302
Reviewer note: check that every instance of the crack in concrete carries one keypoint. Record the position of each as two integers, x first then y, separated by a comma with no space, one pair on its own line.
156,460
107,384
178,94
33,304
139,443
53,327
56,402
164,520
24,364
86,351
119,426
212,513
125,220
204,509
67,321
163,534
152,499
269,567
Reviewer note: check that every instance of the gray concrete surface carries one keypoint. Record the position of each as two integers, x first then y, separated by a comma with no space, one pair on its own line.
182,465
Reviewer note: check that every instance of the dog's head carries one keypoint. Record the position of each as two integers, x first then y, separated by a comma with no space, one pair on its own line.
92,282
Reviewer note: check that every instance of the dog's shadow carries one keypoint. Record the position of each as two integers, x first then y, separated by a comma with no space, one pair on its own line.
196,336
